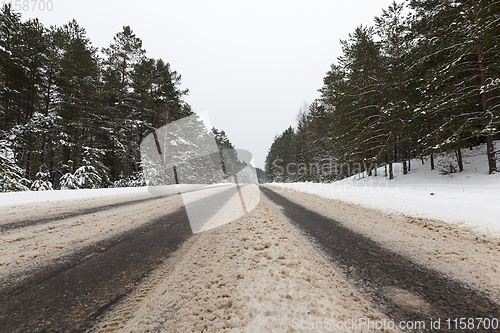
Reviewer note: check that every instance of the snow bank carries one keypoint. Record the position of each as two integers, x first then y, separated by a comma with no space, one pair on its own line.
471,197
20,198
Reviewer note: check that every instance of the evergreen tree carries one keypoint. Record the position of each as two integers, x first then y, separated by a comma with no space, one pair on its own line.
121,59
42,182
395,42
77,88
312,152
11,176
10,65
279,164
459,43
360,122
419,84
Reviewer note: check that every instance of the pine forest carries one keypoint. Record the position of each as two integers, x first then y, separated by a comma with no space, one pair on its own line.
423,80
73,116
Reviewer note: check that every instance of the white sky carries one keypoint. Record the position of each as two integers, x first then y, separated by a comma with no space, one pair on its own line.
249,64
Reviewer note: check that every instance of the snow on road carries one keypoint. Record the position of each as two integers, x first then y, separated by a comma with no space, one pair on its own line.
469,198
25,249
256,274
459,252
29,197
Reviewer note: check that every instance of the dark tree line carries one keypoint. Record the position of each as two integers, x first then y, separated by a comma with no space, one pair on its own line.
412,85
65,107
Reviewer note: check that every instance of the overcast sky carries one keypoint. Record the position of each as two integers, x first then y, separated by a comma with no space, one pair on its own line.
249,64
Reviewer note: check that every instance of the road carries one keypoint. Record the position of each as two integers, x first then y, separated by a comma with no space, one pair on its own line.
93,265
382,273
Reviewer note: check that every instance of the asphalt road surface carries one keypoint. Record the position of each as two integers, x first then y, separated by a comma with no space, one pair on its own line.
71,295
404,290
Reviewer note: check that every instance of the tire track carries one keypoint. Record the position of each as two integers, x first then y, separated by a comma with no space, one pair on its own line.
68,297
403,289
67,215
64,216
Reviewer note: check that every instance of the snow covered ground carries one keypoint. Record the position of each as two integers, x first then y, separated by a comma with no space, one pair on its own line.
469,198
28,197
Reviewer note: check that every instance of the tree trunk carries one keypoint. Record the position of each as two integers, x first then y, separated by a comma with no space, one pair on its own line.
65,159
405,166
490,148
386,163
490,152
392,157
28,165
7,77
32,96
47,102
122,87
19,110
432,161
458,153
395,152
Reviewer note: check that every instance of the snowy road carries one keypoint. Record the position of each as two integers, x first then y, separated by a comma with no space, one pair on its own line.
70,287
131,263
398,285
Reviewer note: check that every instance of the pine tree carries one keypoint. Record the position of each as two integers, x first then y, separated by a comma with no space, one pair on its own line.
460,43
121,58
361,122
11,175
72,119
42,182
312,152
33,50
395,41
280,160
77,81
10,64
